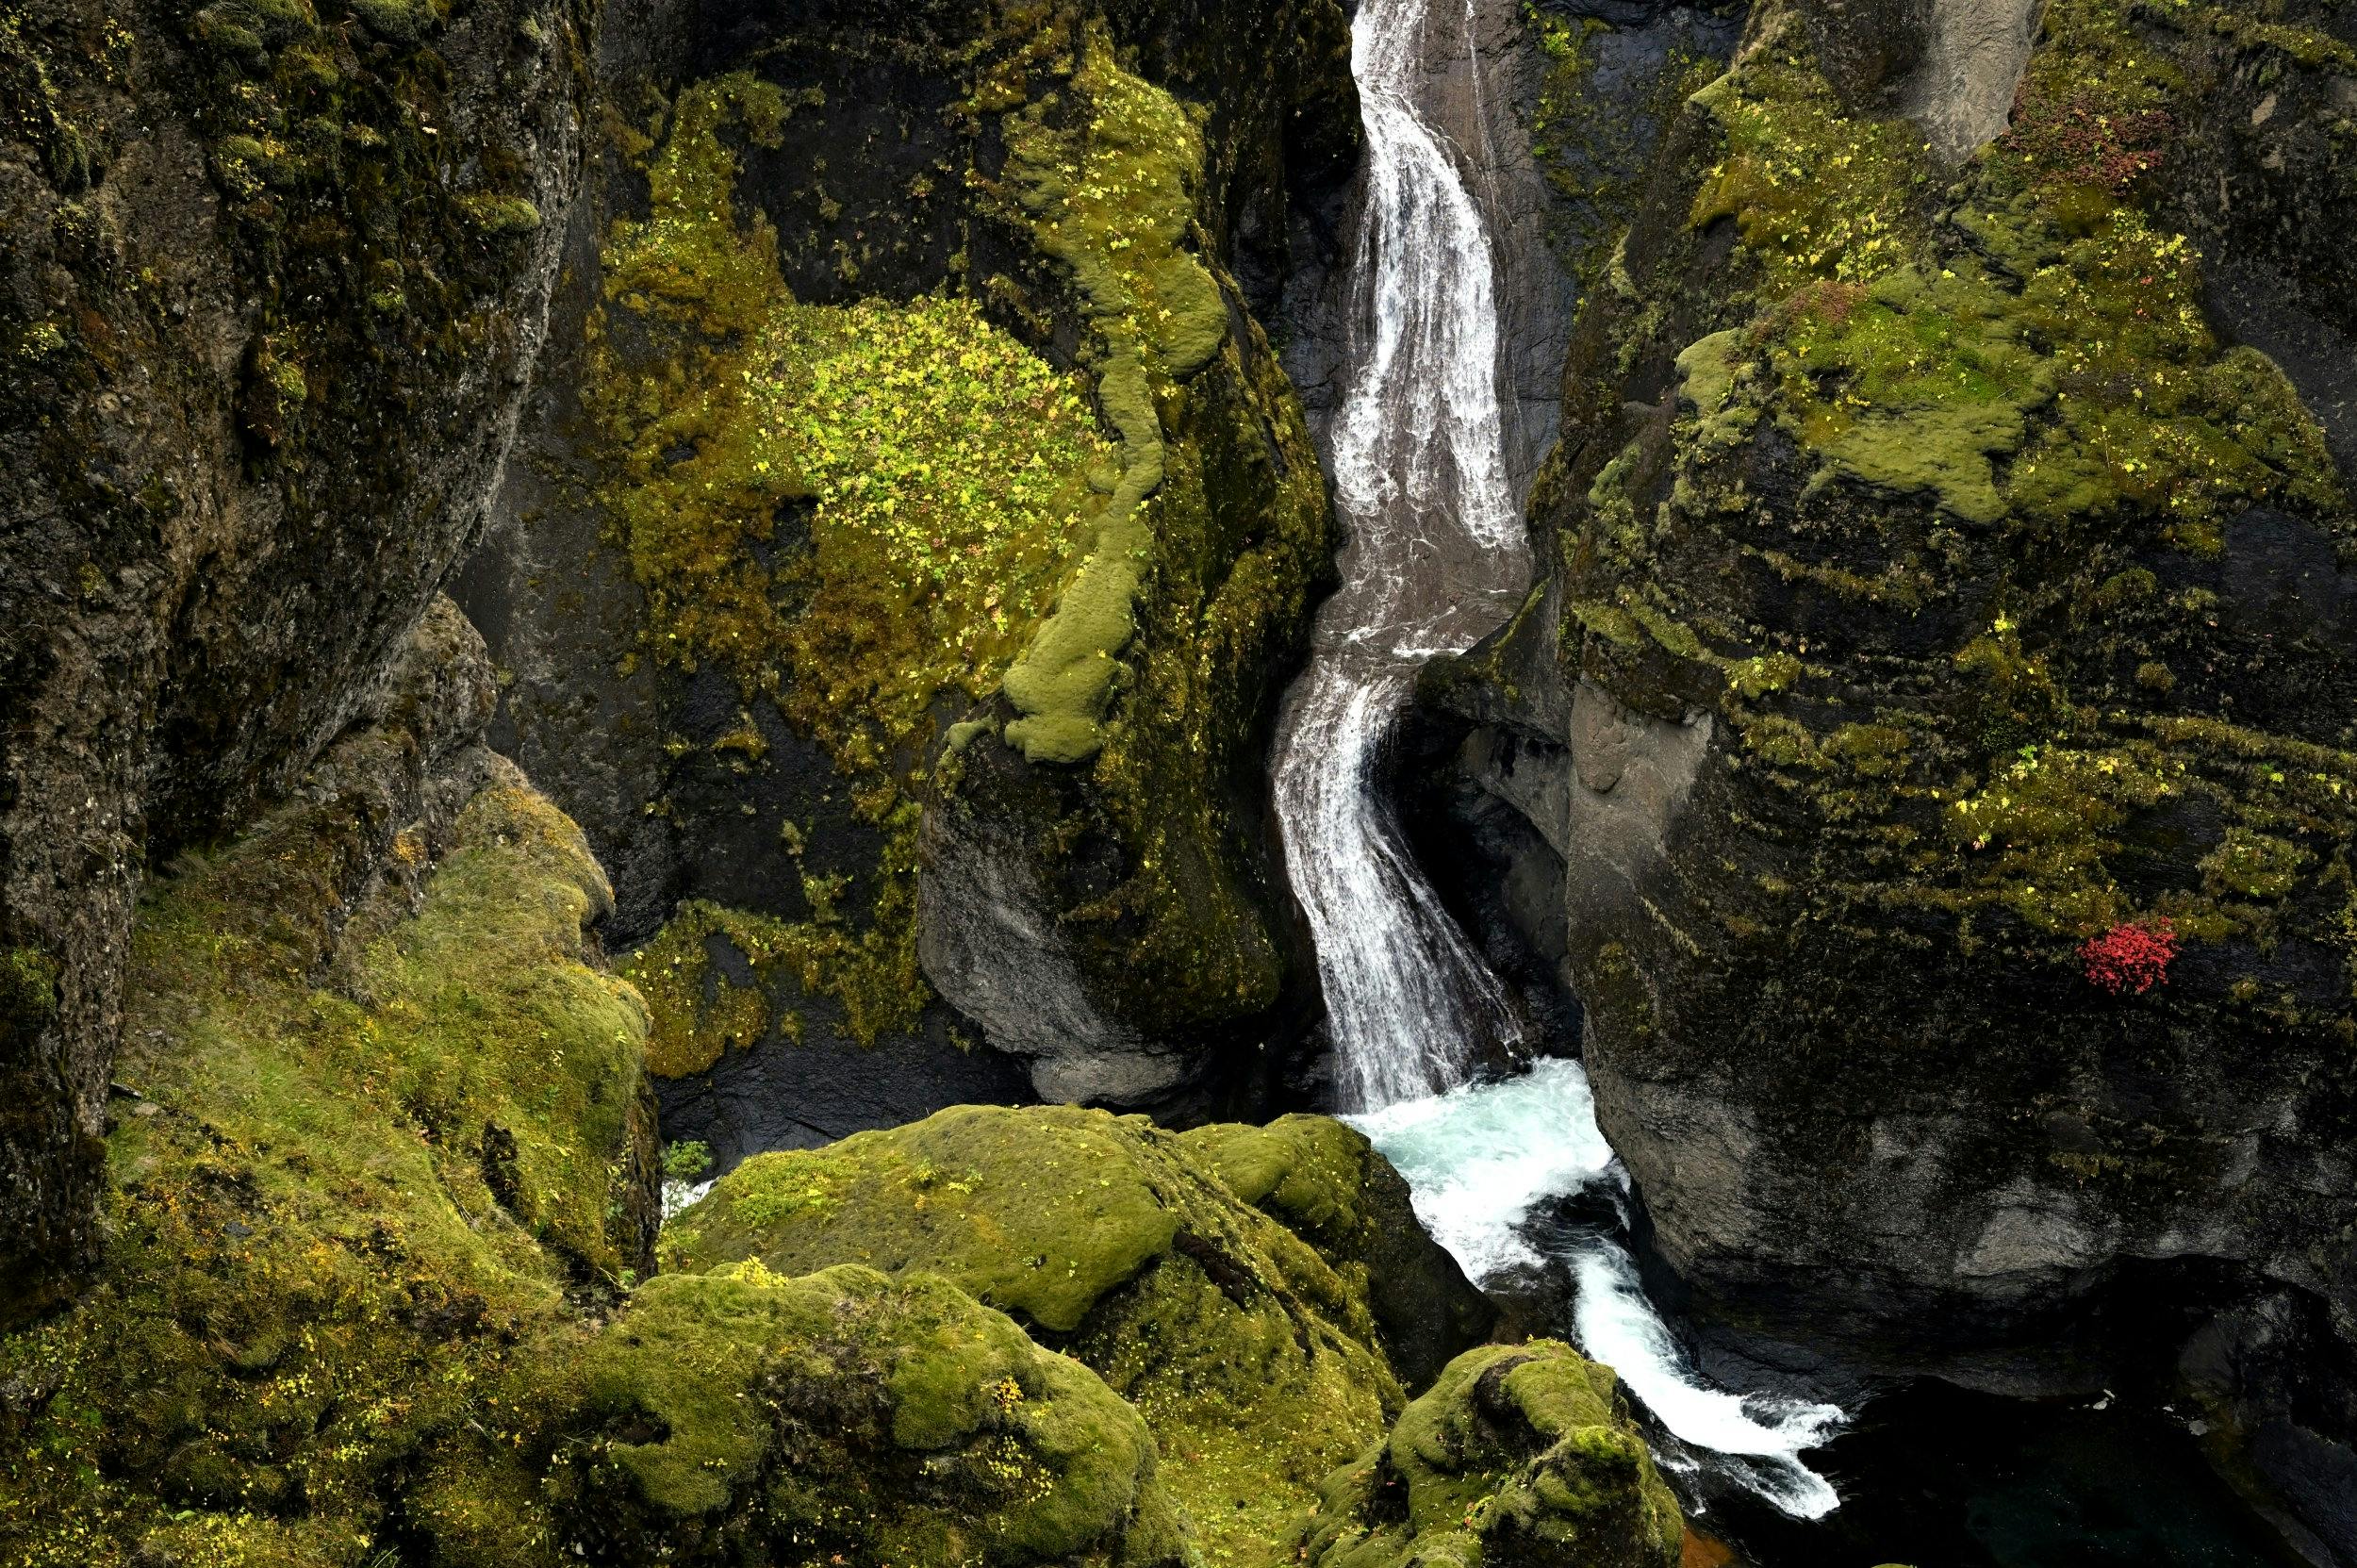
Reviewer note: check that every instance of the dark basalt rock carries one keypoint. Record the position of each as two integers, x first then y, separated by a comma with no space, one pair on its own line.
271,291
1869,1106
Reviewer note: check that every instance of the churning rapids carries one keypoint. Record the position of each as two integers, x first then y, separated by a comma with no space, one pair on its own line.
1435,559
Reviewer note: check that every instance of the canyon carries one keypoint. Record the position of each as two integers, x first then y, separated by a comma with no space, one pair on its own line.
1172,782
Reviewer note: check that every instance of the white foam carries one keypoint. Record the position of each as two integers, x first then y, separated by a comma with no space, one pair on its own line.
1761,1437
1479,1159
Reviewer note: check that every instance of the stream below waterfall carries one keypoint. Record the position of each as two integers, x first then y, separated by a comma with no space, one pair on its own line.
1434,558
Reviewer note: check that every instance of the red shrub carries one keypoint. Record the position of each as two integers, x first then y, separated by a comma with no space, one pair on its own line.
2074,140
2132,957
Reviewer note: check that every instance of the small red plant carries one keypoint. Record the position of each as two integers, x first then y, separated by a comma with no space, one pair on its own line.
2073,139
2133,956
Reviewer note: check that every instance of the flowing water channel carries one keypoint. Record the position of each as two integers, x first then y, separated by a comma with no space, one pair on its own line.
1436,557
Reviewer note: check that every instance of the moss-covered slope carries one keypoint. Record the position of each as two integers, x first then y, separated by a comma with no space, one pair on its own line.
1255,1357
359,1154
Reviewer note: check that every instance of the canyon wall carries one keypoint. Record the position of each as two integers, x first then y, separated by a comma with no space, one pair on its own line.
1935,720
274,278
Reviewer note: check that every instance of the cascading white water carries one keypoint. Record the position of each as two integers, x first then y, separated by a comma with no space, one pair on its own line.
1435,558
1480,1159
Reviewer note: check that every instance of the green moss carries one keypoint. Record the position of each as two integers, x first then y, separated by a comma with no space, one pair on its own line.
28,994
1922,373
334,1219
1255,1363
944,466
1709,368
2254,866
1518,1455
1114,200
1815,193
502,214
848,1413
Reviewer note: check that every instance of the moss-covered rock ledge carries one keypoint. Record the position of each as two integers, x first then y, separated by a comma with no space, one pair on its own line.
917,530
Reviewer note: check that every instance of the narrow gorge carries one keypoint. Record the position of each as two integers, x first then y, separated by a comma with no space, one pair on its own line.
1179,784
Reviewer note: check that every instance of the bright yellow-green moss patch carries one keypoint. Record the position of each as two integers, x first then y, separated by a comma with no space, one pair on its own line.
2064,375
331,1218
1815,193
1255,1363
1112,199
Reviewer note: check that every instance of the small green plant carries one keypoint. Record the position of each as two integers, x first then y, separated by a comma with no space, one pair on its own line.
686,1161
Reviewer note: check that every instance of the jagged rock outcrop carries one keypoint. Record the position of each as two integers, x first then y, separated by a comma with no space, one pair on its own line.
1941,704
272,275
960,690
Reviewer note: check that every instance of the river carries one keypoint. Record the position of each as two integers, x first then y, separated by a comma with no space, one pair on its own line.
1435,556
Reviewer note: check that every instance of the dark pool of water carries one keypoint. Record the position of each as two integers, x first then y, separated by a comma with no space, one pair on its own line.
1938,1478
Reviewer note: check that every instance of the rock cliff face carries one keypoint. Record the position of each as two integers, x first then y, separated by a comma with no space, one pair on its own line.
917,718
1940,703
274,275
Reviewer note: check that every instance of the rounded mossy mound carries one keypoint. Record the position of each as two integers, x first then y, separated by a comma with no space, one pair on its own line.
1520,1457
1327,1184
848,1417
1254,1361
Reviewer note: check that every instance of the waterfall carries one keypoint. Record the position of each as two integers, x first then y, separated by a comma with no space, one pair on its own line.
1434,559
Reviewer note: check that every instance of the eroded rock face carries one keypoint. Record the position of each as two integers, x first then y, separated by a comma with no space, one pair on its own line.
1949,600
810,744
271,283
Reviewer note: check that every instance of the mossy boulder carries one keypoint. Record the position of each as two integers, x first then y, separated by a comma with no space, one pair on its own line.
1255,1362
380,1122
846,1416
1327,1183
1518,1456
